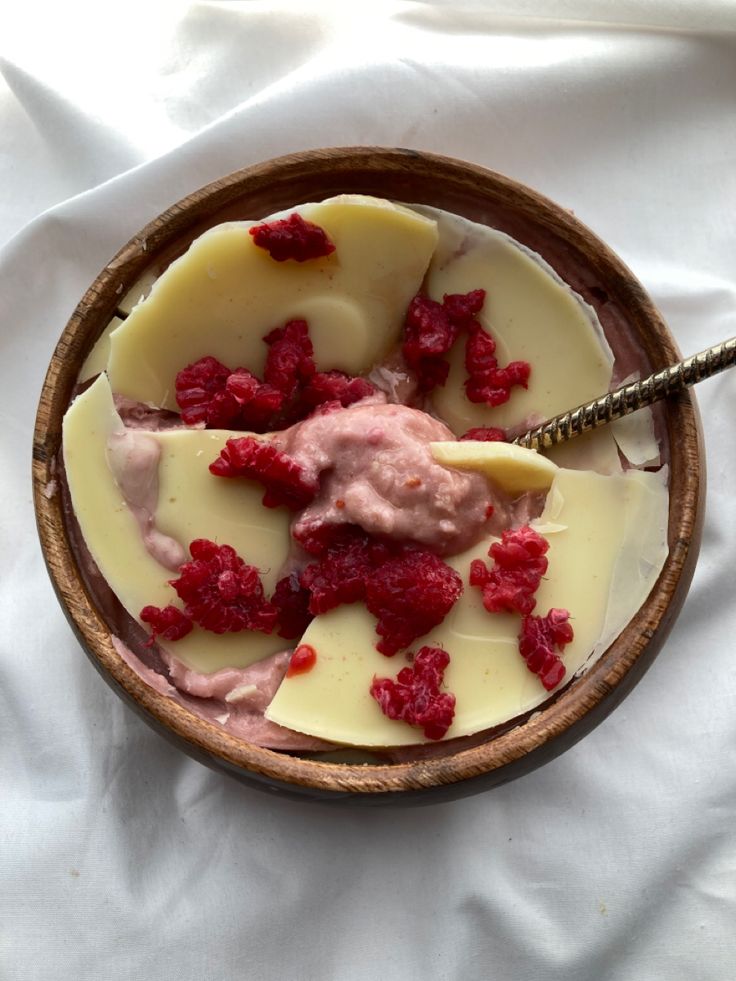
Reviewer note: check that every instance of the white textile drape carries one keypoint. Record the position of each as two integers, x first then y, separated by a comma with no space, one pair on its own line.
122,859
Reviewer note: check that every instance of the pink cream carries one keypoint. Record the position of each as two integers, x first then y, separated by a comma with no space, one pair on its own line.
233,698
133,458
376,470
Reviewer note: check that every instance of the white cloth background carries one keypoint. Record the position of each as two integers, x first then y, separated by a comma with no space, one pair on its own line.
122,859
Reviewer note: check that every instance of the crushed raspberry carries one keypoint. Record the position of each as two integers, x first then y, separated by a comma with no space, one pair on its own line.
171,623
463,308
347,557
519,564
428,335
208,392
431,373
196,387
487,434
408,589
258,403
292,602
410,594
487,382
326,408
290,359
326,387
221,593
430,330
292,238
415,696
242,385
283,478
537,642
316,539
223,411
302,660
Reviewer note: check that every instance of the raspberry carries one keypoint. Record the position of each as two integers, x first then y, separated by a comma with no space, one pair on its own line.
408,589
242,385
196,387
317,539
290,359
282,477
207,391
221,593
292,602
519,565
326,408
302,660
537,642
223,411
292,238
410,594
488,434
325,387
347,556
428,335
487,382
431,373
415,696
258,403
171,623
462,308
432,328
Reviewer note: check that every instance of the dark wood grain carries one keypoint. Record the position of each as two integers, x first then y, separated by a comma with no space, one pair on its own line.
586,263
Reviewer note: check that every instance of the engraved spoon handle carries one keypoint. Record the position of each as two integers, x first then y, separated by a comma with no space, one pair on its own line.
629,398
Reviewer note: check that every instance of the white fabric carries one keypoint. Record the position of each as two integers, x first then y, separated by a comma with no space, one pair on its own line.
122,859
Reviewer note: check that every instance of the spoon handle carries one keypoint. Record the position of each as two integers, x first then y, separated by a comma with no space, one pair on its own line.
629,398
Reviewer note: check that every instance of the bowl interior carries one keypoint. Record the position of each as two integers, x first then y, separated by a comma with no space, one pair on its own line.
584,262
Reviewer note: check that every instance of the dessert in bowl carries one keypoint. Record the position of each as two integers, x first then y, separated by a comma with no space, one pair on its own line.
289,553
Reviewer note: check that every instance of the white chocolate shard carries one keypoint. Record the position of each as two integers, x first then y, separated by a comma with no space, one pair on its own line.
636,438
225,294
596,450
241,693
137,292
532,315
97,358
515,469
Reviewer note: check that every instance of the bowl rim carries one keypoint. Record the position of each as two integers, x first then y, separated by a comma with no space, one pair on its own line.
551,728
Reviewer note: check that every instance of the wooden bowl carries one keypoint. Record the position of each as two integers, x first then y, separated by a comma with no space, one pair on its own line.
587,265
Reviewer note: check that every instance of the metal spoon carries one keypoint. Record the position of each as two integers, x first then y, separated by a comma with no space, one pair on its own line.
629,398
